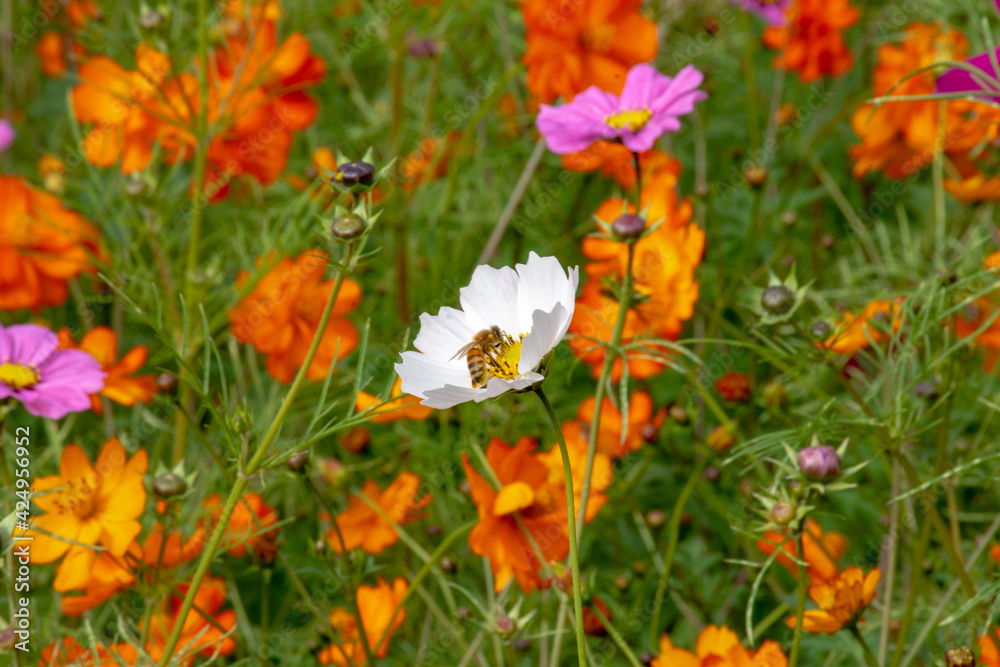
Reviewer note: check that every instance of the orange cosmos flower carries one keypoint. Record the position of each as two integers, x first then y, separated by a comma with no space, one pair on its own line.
900,138
260,97
87,505
102,344
524,488
362,526
282,313
250,526
663,271
52,170
600,476
821,551
974,317
429,162
841,601
111,574
812,40
617,162
856,332
989,655
402,407
42,246
377,606
575,45
719,647
51,52
640,414
70,653
199,635
975,187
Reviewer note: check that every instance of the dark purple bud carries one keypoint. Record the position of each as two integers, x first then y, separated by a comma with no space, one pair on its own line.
777,299
422,48
354,173
628,226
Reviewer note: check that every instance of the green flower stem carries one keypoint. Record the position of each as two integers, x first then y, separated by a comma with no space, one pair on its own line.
8,508
668,560
870,658
574,554
197,209
800,609
749,71
617,638
624,301
251,468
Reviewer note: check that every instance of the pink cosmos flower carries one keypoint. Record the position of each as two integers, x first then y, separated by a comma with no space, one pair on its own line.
650,104
957,80
6,135
49,382
772,11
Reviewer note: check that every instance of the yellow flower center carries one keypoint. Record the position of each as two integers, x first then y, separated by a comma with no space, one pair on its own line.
599,38
633,120
503,361
18,376
77,497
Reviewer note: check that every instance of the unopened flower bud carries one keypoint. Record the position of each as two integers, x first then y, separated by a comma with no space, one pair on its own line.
650,433
782,513
622,581
297,462
712,473
734,387
756,176
320,546
150,19
447,565
827,241
820,329
647,658
433,531
712,26
788,218
169,485
701,189
819,462
522,644
925,389
330,471
353,173
504,625
960,657
655,519
134,185
465,487
774,394
720,439
7,638
166,383
242,422
777,299
347,227
678,414
785,115
422,48
628,226
462,612
639,568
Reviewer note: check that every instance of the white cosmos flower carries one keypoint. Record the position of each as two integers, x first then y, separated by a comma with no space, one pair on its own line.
533,305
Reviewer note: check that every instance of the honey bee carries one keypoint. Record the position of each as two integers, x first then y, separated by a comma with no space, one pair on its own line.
484,344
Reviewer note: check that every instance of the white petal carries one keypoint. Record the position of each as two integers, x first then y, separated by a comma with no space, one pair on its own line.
543,284
422,372
443,334
450,395
543,337
491,298
497,386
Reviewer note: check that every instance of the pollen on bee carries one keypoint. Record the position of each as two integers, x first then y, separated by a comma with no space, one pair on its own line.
504,361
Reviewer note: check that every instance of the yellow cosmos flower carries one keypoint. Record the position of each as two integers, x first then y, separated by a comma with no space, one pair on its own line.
86,506
841,601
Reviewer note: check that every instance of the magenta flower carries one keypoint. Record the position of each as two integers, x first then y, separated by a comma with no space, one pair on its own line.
48,381
6,135
772,11
957,80
650,104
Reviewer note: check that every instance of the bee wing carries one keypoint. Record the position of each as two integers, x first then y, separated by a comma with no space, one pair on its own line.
464,350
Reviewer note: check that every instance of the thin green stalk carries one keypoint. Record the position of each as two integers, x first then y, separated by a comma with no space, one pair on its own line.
8,489
574,554
916,574
617,638
890,581
749,71
243,479
869,656
940,223
624,300
800,609
668,560
197,208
